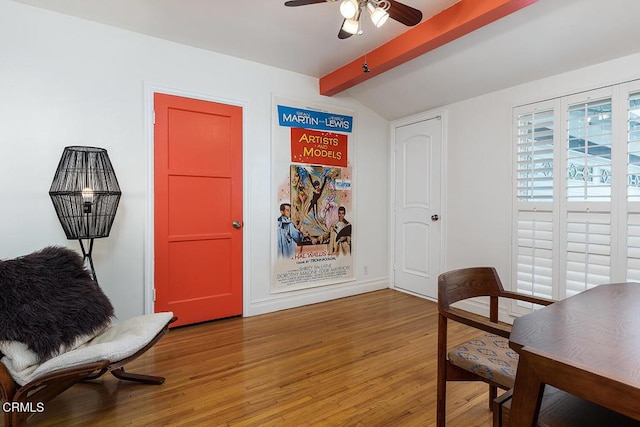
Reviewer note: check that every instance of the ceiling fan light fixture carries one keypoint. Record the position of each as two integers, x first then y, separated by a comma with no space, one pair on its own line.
351,26
378,12
349,8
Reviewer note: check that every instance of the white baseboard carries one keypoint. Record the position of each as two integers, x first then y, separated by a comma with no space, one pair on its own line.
286,300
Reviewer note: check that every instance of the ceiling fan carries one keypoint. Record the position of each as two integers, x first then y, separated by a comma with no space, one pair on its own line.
379,11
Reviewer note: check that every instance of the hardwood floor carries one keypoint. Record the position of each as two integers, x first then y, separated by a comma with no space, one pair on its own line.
367,360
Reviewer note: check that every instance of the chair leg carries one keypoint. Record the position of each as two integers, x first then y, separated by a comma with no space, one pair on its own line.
493,393
441,404
117,369
97,374
120,373
441,409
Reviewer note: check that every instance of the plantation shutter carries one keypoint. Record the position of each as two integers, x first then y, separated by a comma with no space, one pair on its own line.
588,148
535,253
633,189
633,149
633,247
535,156
577,201
534,200
588,250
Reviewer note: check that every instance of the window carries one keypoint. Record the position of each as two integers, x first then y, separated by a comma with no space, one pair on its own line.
577,192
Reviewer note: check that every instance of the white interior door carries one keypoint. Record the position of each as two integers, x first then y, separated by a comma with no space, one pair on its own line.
418,152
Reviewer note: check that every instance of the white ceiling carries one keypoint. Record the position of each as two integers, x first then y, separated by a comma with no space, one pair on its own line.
543,39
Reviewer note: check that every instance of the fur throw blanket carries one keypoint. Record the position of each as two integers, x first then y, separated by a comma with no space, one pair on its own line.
48,300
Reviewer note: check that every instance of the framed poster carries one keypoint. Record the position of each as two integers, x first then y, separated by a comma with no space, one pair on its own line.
313,239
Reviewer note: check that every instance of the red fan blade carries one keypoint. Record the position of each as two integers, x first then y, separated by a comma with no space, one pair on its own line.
404,14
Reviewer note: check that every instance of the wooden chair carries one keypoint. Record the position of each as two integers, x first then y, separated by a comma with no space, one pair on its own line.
107,352
487,357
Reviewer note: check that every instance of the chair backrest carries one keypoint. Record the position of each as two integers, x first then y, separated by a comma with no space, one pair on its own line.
466,283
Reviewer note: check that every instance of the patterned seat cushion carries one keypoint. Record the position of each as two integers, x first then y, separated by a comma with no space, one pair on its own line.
489,356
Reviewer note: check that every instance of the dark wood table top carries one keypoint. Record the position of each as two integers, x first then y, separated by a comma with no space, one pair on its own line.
596,334
598,328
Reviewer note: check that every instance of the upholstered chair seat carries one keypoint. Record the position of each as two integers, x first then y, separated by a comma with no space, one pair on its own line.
488,356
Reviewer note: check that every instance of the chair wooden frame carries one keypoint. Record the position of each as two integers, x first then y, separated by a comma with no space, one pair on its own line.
462,284
48,386
117,368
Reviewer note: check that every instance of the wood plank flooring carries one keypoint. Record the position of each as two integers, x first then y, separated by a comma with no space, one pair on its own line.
366,360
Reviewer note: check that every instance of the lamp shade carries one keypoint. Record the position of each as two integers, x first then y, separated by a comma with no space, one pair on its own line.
85,192
351,26
379,14
349,8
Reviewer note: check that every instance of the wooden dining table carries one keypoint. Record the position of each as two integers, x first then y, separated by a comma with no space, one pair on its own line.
587,345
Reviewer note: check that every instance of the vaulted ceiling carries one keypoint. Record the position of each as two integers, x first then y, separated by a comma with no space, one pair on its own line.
462,49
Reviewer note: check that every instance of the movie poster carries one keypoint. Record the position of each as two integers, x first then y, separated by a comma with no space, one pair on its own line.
313,239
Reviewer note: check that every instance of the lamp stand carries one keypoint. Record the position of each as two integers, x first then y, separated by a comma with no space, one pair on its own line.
85,194
86,256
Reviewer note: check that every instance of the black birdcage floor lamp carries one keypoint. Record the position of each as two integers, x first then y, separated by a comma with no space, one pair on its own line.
85,194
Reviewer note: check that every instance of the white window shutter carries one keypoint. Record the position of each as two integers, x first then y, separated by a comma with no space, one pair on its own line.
588,146
535,162
576,208
535,253
633,247
633,148
588,250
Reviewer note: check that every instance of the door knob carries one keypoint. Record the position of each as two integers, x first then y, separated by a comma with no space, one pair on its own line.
434,217
236,224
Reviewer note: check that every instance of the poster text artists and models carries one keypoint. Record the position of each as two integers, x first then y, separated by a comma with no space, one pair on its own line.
314,239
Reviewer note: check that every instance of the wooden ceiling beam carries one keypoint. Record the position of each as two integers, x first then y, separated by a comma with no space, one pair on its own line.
456,21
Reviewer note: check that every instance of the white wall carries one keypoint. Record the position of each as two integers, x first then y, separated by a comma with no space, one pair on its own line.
66,81
480,163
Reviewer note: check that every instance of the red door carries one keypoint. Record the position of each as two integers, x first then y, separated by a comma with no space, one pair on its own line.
197,208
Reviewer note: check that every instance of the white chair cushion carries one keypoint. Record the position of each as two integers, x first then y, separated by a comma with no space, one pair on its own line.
114,343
